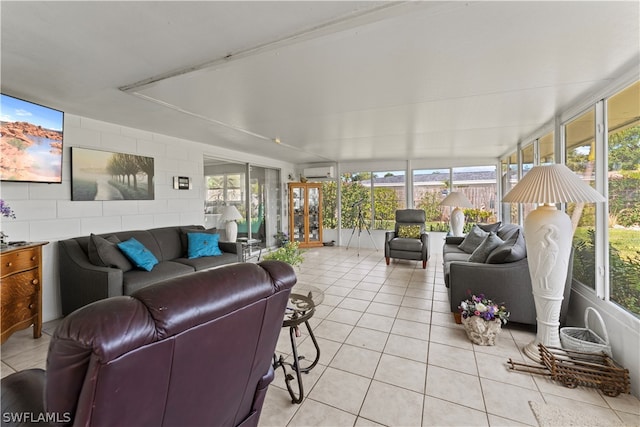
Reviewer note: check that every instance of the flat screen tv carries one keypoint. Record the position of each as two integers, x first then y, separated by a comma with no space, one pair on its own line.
31,141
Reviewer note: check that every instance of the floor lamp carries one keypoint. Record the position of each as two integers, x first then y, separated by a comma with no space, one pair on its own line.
548,236
458,200
229,215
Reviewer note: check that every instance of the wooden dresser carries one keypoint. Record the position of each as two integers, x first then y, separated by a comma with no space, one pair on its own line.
21,293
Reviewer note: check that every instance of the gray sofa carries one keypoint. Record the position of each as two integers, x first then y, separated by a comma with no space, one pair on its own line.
503,276
92,269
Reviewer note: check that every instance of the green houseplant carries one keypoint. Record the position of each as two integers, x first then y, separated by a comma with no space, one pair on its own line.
289,253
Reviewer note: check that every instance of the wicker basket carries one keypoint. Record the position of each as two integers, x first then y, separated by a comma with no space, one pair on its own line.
584,339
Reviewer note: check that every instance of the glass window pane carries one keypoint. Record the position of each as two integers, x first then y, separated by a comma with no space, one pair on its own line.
430,187
509,180
528,162
546,149
389,189
329,205
623,123
580,157
356,199
478,183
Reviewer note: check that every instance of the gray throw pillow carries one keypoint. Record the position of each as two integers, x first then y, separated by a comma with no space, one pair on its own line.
490,227
513,249
472,240
105,253
481,253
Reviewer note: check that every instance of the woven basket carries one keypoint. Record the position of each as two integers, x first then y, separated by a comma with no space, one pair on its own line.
584,339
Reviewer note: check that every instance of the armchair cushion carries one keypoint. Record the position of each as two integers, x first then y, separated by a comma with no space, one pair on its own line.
404,244
487,246
473,239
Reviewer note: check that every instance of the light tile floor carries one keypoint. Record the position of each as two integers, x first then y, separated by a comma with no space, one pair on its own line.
392,355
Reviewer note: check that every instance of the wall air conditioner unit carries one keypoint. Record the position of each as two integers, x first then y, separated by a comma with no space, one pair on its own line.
325,172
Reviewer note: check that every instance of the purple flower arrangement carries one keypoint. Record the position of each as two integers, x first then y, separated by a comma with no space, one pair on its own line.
6,210
483,307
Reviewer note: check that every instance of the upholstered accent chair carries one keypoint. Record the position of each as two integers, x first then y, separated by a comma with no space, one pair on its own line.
408,240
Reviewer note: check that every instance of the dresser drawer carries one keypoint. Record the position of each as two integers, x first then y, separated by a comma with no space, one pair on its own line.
20,260
19,296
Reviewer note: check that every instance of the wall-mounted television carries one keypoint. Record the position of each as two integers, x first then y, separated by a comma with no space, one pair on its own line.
31,141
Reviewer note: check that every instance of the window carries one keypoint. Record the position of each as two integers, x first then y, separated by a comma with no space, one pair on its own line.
430,187
227,185
389,195
528,161
479,185
356,199
623,148
546,149
580,156
509,180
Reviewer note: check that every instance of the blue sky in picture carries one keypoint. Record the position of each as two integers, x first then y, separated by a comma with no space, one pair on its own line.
17,110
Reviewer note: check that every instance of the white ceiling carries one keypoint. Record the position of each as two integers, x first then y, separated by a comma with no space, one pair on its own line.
332,81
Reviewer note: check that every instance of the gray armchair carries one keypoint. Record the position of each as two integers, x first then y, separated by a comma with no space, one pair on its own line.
400,243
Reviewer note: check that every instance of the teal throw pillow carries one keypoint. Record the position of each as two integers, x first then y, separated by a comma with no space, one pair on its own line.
203,244
140,256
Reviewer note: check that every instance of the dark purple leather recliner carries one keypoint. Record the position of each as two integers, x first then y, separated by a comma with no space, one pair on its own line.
190,351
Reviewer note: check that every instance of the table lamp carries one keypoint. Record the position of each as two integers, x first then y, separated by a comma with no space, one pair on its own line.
457,199
548,235
229,215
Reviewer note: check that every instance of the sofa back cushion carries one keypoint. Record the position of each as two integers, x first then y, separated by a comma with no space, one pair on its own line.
513,249
481,253
104,252
473,239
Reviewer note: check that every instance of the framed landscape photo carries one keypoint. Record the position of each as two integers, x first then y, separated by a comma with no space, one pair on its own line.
105,175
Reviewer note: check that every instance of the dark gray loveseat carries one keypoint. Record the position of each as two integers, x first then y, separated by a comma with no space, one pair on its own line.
504,277
83,282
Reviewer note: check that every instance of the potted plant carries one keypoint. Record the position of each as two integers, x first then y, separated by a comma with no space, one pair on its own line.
289,253
482,319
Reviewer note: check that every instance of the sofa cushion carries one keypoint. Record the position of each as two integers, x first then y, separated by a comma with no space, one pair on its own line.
490,227
513,249
487,246
507,231
169,241
203,244
139,255
104,252
473,239
409,231
207,262
138,279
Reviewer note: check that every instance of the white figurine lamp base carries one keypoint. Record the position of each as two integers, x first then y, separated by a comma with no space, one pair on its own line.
232,231
548,235
457,222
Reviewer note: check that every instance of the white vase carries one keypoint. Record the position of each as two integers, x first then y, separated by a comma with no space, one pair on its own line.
480,331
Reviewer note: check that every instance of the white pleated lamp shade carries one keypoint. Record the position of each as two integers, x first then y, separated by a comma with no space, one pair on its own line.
552,184
457,199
